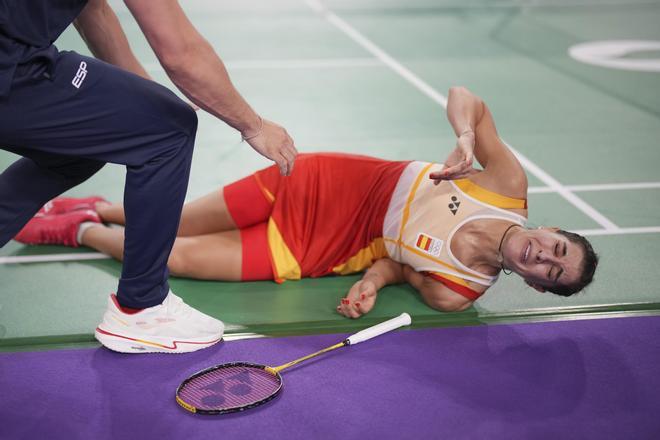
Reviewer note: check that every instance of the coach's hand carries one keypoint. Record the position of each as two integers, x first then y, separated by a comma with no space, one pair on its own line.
272,141
360,299
459,162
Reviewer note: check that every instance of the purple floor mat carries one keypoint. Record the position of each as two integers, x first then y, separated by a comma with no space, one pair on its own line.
590,379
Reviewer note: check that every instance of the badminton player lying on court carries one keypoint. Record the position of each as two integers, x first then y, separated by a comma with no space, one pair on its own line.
448,230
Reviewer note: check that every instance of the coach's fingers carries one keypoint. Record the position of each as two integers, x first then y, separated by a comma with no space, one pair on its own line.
289,154
283,164
290,161
293,148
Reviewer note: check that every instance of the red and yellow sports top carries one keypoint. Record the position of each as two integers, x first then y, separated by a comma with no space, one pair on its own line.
422,218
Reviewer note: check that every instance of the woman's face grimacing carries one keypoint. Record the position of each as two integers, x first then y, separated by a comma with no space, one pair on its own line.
543,257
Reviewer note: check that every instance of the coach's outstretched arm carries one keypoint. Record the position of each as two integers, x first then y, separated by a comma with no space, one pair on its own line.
195,68
192,65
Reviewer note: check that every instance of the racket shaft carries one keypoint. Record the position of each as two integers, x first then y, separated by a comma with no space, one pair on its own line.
309,356
361,336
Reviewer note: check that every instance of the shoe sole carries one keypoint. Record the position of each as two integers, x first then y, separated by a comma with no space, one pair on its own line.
128,344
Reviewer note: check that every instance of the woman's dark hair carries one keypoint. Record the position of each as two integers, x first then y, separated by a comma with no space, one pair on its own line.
589,264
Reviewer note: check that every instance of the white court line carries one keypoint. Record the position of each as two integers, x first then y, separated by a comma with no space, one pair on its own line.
240,336
531,4
318,63
442,100
597,187
53,257
565,193
620,231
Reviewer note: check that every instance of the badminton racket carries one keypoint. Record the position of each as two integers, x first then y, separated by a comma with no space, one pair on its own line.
237,386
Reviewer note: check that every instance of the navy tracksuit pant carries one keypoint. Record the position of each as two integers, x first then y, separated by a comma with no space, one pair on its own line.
67,119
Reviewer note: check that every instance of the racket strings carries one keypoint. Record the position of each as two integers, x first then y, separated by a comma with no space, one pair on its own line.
230,387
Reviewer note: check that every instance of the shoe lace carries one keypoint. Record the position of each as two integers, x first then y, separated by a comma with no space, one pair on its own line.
50,236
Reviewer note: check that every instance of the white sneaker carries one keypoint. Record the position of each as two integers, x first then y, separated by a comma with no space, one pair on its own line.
171,327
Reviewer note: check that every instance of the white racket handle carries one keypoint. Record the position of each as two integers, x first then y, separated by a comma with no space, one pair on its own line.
379,329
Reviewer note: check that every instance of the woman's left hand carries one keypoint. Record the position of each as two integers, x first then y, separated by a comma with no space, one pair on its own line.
360,300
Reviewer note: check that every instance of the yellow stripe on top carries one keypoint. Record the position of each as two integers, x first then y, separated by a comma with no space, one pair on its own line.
363,258
483,195
286,265
411,197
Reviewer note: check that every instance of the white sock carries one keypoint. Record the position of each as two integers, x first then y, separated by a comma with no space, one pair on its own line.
84,226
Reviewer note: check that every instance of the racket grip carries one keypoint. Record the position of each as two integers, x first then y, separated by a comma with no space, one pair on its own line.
379,329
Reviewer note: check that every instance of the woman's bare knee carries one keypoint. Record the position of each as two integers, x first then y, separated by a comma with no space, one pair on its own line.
177,264
207,257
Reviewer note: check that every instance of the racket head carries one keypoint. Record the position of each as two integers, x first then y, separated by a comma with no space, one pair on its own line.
229,388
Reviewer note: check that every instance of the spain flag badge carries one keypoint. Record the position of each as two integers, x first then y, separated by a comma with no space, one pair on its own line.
428,244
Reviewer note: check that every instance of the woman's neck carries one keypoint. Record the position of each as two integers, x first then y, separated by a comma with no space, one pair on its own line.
485,238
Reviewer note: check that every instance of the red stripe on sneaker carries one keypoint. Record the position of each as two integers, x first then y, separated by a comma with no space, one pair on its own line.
156,344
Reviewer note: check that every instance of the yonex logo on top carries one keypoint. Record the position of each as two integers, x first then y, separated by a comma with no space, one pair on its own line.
80,75
453,207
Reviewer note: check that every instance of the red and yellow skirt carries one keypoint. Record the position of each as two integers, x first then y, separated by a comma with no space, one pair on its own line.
325,218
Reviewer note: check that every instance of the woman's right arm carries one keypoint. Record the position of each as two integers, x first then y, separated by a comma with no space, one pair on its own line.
473,123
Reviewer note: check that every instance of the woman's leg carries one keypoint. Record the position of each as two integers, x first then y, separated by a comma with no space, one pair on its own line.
216,256
205,215
238,205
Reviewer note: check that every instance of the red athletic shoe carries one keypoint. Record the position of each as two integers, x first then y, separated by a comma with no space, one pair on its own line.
56,229
60,205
